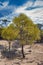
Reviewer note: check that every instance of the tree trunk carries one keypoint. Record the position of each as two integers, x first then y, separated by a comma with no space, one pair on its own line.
9,45
23,51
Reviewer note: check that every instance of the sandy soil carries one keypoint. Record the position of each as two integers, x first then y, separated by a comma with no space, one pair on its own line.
35,57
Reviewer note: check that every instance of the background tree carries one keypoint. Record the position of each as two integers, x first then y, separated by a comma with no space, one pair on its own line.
5,22
1,32
28,31
41,34
1,28
9,33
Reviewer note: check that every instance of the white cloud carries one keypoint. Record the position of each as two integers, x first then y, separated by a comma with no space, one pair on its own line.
38,3
23,7
35,14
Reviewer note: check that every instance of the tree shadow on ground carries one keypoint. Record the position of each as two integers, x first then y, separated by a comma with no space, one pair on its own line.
1,47
40,64
12,54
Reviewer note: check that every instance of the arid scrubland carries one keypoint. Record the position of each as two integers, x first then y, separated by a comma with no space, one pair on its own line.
33,57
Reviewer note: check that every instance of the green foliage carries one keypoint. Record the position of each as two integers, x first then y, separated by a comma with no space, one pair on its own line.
22,20
28,31
35,35
9,33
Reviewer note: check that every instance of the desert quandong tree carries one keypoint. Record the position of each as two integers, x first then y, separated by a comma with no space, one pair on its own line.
28,31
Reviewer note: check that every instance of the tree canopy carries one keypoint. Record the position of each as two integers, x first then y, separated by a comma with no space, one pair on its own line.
27,29
10,32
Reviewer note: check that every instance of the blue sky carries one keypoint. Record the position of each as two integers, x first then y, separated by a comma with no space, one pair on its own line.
32,8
